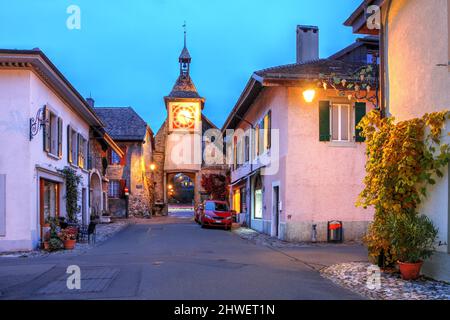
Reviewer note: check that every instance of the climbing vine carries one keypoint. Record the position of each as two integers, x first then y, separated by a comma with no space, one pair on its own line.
404,158
216,185
72,193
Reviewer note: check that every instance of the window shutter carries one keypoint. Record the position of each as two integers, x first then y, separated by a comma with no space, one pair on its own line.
360,112
60,135
109,156
46,131
2,204
69,144
324,120
79,151
123,160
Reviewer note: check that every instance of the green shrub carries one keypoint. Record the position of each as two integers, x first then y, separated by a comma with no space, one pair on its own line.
412,237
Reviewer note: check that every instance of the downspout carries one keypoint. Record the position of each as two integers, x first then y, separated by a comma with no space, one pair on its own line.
384,63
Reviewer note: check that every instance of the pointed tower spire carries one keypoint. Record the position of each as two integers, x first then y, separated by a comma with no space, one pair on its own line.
185,57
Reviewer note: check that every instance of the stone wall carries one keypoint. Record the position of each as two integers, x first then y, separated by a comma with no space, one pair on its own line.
138,179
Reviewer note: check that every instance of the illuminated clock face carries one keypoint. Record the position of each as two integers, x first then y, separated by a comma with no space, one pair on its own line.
184,117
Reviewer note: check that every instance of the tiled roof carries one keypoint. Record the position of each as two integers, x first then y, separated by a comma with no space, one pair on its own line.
309,70
185,54
184,88
123,123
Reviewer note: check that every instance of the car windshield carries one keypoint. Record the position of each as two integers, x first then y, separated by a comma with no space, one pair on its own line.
214,206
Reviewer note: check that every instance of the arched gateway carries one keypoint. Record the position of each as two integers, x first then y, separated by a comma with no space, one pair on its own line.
179,145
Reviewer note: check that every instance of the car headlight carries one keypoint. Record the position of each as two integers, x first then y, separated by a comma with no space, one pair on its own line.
209,217
228,218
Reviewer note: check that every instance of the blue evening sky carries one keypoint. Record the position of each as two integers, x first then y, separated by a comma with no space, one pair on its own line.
126,53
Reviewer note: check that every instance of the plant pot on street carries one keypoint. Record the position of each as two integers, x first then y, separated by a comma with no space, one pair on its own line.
46,245
69,244
410,271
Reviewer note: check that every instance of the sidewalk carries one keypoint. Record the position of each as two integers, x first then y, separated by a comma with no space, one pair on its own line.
103,233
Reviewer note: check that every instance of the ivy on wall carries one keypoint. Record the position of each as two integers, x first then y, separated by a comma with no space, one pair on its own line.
404,158
72,180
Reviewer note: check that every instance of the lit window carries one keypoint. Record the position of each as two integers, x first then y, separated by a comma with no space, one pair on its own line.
258,199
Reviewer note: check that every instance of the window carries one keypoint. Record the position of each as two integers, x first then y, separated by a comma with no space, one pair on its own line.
216,206
52,133
114,189
115,159
50,199
237,201
258,198
340,122
82,152
72,145
247,148
267,130
263,134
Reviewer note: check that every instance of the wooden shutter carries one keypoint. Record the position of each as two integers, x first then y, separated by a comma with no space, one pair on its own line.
123,160
109,156
247,148
324,120
46,131
2,204
360,112
69,144
60,135
79,149
269,129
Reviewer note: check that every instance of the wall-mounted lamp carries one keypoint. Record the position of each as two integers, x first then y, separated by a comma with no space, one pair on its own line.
38,122
153,167
309,95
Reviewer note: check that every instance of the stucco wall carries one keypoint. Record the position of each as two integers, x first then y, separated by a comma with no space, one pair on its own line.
327,177
22,93
417,42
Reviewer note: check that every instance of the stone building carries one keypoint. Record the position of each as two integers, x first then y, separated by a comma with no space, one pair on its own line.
132,169
100,146
181,141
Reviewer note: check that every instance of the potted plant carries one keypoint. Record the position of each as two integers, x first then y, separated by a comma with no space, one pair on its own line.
412,239
55,244
69,237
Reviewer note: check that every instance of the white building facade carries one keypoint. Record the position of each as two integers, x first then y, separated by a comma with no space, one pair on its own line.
31,185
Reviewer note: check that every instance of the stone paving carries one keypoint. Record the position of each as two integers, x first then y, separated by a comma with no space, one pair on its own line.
354,276
266,240
103,232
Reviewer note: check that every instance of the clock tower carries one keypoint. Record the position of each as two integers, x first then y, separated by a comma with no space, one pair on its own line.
183,143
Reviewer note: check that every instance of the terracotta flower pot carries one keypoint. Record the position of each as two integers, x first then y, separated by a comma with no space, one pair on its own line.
410,271
46,245
69,244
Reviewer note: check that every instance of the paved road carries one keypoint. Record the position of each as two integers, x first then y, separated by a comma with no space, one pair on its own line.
176,259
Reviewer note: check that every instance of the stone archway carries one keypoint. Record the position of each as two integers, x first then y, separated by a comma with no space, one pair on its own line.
96,194
180,193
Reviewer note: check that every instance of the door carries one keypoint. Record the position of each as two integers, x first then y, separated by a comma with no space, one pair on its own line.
48,200
276,209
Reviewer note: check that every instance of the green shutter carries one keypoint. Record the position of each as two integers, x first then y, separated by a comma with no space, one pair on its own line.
324,120
360,112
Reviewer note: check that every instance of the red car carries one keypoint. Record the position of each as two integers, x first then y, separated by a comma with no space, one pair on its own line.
215,214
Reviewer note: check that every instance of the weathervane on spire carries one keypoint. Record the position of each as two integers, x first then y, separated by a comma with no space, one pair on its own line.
184,27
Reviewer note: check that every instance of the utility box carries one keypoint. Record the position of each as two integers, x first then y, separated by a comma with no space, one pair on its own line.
335,231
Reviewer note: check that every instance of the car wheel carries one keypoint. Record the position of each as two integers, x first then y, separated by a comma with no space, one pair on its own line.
202,224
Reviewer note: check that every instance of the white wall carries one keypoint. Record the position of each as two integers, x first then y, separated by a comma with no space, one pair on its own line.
417,42
22,93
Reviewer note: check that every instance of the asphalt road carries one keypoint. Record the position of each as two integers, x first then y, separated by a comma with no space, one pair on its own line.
176,259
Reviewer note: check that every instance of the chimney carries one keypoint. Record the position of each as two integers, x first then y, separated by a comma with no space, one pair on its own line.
90,102
307,43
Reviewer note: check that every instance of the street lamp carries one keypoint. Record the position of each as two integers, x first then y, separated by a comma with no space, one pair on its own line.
309,95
